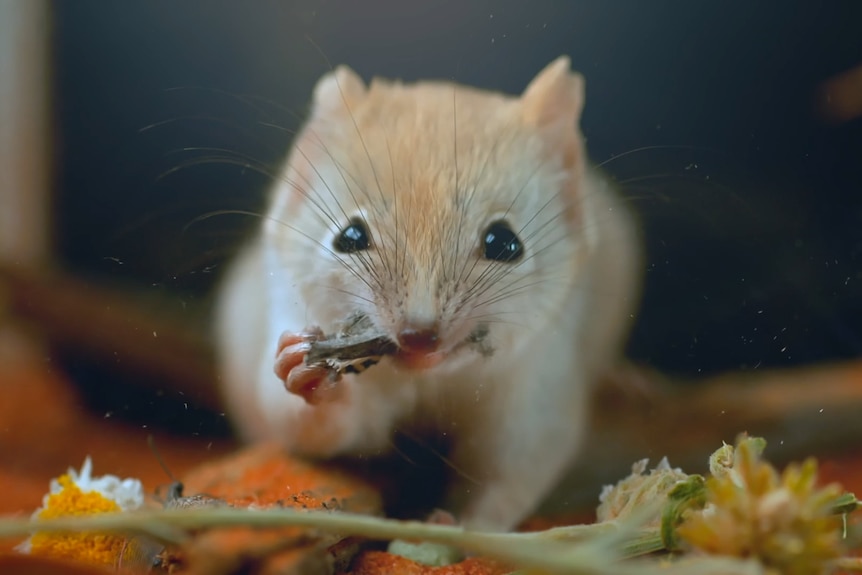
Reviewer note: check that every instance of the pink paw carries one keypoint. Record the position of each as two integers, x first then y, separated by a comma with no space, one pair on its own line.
311,383
441,517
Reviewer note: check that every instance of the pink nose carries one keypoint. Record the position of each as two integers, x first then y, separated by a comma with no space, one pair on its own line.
418,340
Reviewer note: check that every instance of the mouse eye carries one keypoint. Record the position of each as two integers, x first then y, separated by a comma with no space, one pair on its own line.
501,244
353,238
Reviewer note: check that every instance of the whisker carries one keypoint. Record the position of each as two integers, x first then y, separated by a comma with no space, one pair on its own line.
508,209
457,188
490,319
336,256
488,285
394,200
512,289
241,162
398,451
655,147
363,257
492,272
278,127
361,140
337,164
246,99
466,206
190,117
436,453
215,213
670,176
250,101
351,294
484,283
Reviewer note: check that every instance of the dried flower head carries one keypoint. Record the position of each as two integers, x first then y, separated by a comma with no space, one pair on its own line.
785,521
638,489
82,494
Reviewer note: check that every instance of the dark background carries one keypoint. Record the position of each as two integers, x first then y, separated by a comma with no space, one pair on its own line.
704,111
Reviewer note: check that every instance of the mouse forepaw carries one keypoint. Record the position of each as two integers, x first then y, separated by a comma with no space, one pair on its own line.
290,353
311,383
442,517
432,554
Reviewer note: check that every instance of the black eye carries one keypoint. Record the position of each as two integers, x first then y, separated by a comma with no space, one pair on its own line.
353,238
501,244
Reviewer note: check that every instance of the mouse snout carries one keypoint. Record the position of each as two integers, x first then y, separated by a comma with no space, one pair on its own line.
418,339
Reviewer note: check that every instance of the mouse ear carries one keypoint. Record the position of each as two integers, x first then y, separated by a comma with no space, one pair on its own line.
554,97
337,91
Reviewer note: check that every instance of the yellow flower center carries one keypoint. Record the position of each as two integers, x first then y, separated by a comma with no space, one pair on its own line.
94,548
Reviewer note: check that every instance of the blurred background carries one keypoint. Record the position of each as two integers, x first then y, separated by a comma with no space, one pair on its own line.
710,115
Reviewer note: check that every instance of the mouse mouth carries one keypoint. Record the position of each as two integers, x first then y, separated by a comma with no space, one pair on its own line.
426,360
418,361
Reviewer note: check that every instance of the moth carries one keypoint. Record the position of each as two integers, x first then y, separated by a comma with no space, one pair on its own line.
354,349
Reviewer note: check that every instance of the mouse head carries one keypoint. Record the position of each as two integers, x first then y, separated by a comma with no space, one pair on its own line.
452,217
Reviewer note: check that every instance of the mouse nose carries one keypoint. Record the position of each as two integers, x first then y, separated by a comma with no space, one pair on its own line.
418,339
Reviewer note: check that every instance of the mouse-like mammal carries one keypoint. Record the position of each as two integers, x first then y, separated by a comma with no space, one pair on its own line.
469,227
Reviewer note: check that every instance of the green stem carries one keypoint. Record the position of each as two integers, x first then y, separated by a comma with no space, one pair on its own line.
582,548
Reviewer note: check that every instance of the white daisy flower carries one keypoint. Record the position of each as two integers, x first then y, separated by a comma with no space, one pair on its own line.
79,493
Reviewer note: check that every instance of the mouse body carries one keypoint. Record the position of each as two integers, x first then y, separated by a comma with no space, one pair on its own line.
469,227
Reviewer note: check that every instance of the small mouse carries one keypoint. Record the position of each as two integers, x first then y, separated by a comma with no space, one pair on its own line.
470,229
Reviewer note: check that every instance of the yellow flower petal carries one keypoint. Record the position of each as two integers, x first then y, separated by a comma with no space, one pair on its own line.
784,520
75,494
